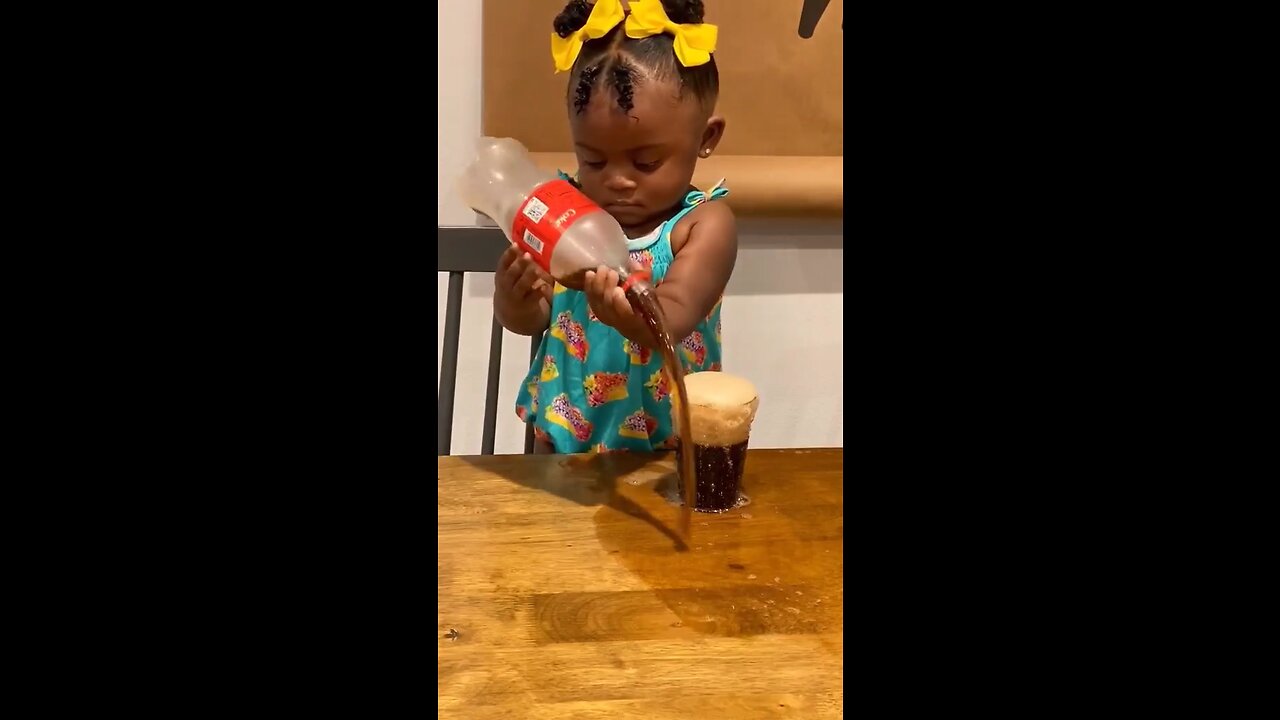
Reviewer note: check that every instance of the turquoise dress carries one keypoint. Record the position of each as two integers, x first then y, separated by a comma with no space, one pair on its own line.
591,389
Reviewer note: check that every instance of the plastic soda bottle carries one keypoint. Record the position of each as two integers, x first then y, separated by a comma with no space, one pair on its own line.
562,230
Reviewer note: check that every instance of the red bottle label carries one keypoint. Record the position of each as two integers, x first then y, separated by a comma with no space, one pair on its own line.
550,210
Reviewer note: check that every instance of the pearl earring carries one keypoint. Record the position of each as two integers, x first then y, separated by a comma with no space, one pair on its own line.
706,152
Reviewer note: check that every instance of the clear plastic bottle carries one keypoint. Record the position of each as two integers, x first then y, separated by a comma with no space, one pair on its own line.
562,230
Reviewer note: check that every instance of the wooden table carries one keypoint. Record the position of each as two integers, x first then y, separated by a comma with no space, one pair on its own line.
563,594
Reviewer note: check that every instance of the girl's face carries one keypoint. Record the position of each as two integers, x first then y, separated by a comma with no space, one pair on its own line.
637,164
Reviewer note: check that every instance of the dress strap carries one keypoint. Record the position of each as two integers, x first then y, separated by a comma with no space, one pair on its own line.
694,199
697,197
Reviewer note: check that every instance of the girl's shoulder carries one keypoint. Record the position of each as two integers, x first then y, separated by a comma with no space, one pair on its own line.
712,217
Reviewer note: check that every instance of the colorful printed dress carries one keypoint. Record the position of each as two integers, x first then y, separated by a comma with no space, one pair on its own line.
591,389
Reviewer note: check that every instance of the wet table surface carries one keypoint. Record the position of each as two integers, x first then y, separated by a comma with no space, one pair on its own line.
564,591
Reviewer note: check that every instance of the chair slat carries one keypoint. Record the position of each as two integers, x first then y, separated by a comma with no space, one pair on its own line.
449,364
491,389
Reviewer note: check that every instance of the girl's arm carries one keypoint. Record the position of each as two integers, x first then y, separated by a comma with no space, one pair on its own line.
705,246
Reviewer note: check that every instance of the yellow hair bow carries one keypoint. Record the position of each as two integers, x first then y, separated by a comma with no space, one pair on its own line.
605,16
694,43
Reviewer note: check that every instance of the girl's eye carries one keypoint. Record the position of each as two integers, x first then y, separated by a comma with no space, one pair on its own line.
594,165
649,166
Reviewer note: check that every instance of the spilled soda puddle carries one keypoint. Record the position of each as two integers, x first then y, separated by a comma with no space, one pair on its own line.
747,573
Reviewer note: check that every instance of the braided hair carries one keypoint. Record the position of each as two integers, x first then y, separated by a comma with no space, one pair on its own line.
619,63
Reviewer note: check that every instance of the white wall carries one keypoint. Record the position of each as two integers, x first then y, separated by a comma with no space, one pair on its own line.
783,315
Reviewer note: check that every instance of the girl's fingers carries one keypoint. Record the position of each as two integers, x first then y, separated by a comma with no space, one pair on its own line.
517,267
508,256
525,282
621,305
603,278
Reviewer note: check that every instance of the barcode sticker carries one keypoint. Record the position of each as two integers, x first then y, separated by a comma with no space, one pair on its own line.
532,241
535,209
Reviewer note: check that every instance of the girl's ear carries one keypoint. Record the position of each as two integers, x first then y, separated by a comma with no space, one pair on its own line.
711,135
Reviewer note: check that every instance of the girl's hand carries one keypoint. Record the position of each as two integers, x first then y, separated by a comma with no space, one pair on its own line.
521,293
519,279
609,302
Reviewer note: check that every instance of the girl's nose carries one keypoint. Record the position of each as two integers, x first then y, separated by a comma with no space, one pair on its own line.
619,182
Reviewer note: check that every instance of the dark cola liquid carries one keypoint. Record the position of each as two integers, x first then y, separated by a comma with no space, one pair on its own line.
718,470
644,301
